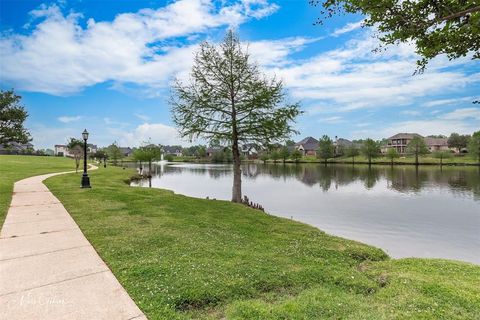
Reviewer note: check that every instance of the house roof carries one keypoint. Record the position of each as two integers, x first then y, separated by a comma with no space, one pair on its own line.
214,149
60,145
343,142
436,141
125,149
308,143
172,149
249,147
405,136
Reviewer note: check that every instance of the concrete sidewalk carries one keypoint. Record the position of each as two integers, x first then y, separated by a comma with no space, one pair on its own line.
48,269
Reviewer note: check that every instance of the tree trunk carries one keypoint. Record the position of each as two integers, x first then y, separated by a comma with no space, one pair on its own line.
237,174
416,158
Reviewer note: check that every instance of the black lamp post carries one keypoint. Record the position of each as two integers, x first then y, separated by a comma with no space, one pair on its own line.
85,178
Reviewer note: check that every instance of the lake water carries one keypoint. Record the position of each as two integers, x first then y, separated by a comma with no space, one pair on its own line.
408,212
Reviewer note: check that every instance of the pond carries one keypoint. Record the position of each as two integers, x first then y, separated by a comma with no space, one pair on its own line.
407,211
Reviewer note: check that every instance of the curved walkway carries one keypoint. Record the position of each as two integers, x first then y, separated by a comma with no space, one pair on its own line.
48,269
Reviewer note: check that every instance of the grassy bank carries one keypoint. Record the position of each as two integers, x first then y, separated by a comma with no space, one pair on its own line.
183,258
14,168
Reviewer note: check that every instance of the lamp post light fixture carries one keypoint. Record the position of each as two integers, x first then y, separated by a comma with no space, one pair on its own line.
85,178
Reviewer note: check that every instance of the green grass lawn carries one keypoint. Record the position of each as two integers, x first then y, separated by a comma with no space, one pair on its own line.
184,258
14,168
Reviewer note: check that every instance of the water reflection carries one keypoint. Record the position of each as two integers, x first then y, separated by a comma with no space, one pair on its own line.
424,211
400,178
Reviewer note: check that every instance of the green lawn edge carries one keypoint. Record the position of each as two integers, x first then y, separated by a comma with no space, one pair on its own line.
14,168
186,258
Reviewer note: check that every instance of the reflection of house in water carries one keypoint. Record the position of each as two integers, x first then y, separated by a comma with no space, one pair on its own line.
404,179
250,170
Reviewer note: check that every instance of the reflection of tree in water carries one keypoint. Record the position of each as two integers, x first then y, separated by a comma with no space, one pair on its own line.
411,179
218,173
407,178
369,176
403,179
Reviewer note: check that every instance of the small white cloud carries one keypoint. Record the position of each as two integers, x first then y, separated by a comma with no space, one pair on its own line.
463,114
68,119
332,120
259,8
142,117
446,102
349,27
363,124
411,112
157,133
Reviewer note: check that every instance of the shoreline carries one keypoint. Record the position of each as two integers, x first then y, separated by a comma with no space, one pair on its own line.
382,163
136,178
216,259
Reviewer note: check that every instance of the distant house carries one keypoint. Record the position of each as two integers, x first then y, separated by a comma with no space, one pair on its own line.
437,144
307,146
126,151
16,148
400,141
250,150
175,150
212,150
61,150
340,144
92,148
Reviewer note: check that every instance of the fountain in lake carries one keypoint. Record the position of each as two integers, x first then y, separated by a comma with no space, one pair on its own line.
162,161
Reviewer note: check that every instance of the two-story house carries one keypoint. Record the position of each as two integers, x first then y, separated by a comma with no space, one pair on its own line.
400,141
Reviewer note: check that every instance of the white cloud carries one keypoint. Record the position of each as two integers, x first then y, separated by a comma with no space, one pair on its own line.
67,119
275,52
446,102
459,120
259,8
332,120
142,117
463,114
157,133
60,56
353,77
427,127
349,27
411,112
47,137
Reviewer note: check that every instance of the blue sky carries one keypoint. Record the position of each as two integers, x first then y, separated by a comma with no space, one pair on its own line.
107,66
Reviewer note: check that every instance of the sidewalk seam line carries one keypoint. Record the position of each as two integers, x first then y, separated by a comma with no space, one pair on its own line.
34,234
60,218
54,283
39,254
